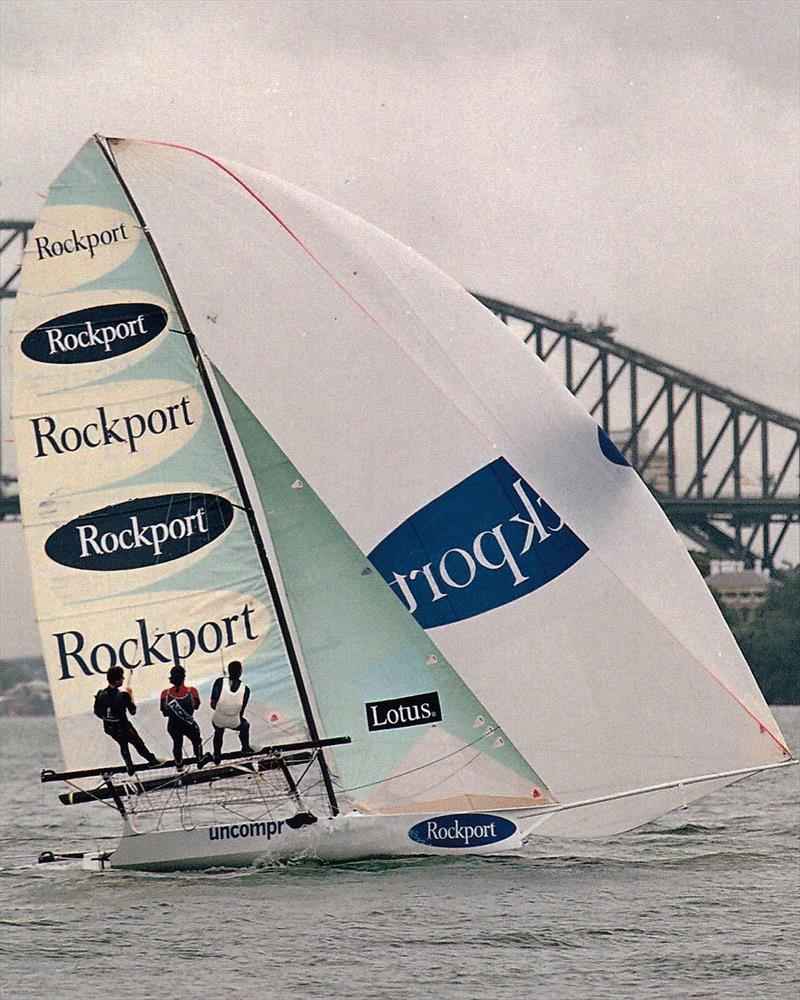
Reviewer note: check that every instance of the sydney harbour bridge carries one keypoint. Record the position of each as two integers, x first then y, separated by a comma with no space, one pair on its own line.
725,468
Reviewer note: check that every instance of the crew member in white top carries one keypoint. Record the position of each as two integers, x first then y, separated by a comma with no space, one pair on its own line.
229,697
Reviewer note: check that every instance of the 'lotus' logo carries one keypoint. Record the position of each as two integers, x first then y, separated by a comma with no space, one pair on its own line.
462,830
143,532
95,334
487,541
398,713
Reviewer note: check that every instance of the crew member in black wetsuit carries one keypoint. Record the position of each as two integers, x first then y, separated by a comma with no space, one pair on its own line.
178,704
112,706
229,699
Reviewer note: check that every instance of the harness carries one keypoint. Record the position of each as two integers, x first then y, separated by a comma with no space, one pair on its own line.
175,706
227,714
114,706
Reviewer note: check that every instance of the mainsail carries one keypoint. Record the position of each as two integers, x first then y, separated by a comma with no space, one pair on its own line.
140,548
450,527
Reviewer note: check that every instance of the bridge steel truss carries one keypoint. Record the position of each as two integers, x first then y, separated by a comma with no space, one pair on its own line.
725,468
13,240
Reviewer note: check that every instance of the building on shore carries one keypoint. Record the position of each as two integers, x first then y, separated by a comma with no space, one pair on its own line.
743,590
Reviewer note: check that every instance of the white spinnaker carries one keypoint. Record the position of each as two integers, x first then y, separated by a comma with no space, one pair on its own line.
388,385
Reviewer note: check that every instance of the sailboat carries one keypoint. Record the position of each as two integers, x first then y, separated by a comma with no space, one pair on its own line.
252,426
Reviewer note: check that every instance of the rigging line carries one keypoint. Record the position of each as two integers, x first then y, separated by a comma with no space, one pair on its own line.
171,783
373,319
173,787
452,774
222,429
265,801
305,772
277,802
421,767
162,812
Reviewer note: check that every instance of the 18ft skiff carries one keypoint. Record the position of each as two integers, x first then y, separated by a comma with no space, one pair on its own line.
251,426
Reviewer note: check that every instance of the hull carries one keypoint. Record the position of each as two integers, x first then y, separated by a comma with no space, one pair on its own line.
352,837
358,836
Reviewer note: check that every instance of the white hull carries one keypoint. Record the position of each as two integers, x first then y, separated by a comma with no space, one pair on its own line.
357,836
350,837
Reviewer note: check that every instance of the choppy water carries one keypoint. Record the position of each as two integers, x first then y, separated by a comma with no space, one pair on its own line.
701,904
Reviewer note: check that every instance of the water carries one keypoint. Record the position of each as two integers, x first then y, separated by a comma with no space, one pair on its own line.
703,903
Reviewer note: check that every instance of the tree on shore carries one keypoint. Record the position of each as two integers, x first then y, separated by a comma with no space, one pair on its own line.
770,640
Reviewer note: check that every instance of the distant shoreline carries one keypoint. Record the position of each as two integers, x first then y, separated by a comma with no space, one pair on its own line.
24,692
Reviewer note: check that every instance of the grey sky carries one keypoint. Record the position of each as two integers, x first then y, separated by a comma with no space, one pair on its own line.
634,159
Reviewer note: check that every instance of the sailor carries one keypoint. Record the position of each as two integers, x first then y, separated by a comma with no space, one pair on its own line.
112,706
178,704
229,699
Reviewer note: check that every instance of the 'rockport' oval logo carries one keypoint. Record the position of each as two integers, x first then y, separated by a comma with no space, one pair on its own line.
461,830
144,532
486,541
95,334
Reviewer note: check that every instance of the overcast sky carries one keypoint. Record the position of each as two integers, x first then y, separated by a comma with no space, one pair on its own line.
635,159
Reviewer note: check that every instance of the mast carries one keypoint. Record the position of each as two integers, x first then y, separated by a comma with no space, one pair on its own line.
255,531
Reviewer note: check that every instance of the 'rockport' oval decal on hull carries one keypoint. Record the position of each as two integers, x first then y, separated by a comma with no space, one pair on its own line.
143,532
485,542
95,334
461,830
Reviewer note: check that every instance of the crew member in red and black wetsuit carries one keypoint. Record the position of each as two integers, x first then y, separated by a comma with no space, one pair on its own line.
178,704
112,706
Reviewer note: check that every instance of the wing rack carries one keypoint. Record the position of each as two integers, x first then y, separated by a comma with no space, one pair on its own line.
268,758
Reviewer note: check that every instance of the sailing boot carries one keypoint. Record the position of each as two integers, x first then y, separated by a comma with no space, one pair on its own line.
301,819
